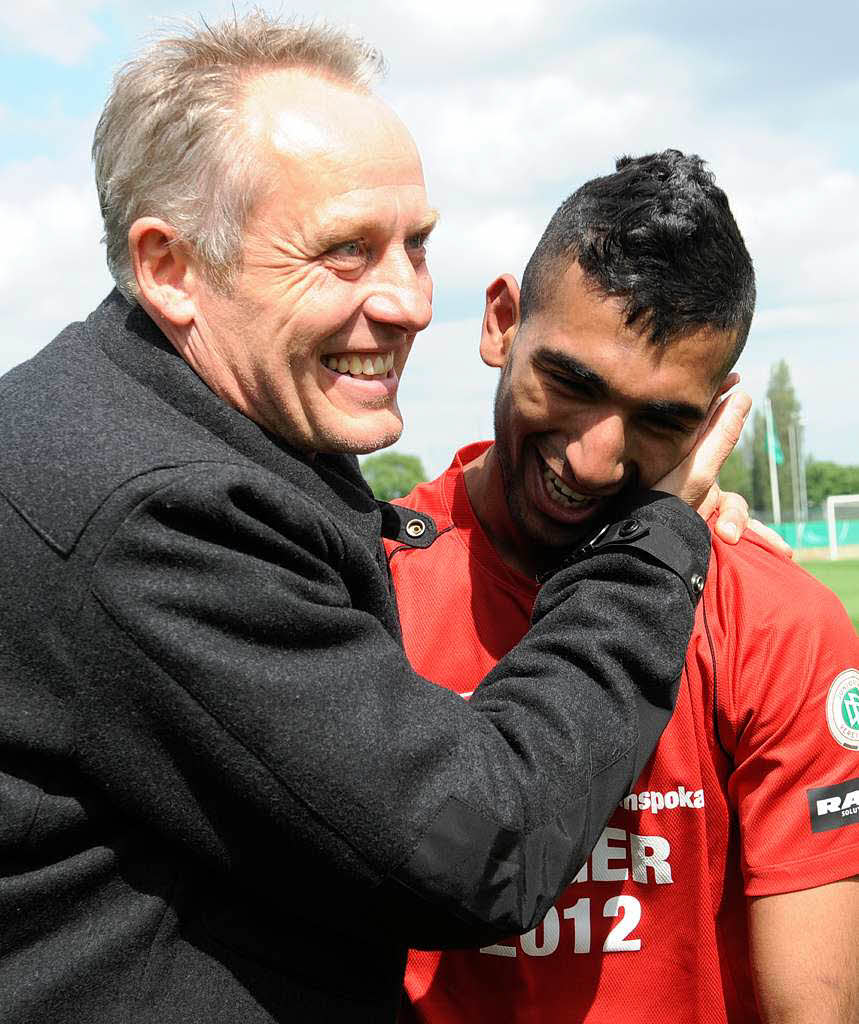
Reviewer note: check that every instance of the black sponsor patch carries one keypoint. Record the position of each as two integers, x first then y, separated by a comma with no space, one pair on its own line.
834,806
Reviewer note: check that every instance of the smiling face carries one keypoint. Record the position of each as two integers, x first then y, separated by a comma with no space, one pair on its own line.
587,407
334,285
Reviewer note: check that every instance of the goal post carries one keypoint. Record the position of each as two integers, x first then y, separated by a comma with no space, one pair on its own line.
833,502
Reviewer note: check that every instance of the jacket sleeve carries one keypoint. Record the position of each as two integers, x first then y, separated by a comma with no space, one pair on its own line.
241,693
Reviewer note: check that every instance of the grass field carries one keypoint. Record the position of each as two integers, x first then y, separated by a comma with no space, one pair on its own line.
843,577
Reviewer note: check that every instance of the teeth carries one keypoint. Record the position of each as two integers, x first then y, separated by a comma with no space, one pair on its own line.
560,491
365,366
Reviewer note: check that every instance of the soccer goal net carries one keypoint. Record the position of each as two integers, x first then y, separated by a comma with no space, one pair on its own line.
842,522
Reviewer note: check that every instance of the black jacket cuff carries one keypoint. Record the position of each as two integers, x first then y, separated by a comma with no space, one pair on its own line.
657,527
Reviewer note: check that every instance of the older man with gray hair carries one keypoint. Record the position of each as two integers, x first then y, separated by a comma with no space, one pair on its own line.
219,773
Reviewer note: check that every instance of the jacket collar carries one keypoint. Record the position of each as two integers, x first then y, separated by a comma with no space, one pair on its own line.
110,399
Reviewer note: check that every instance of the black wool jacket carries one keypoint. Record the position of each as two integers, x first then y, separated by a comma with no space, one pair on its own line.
225,797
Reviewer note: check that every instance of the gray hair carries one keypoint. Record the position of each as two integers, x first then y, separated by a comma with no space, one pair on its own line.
170,142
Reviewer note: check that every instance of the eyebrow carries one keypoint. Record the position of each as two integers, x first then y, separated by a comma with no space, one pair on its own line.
428,223
367,226
580,373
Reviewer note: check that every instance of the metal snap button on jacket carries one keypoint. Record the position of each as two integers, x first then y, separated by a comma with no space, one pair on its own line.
415,528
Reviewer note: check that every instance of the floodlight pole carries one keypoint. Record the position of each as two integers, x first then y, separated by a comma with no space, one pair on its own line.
793,441
768,412
803,486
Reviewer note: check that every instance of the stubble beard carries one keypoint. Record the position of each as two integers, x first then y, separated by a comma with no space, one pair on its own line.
543,550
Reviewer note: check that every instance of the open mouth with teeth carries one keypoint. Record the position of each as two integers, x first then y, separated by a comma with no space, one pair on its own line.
563,494
361,366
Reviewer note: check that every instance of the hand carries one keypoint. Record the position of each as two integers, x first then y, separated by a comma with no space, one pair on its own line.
694,479
732,521
732,514
769,536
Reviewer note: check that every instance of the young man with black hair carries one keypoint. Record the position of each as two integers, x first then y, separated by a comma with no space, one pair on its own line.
721,889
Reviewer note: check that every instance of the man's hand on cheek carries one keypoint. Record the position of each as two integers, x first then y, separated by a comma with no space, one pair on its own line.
694,479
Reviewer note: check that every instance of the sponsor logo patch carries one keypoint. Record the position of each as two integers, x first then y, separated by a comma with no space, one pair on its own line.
842,709
834,806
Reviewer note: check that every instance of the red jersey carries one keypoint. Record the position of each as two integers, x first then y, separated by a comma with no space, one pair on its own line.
753,788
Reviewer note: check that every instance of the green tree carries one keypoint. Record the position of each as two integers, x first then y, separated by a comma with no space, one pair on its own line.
786,411
736,473
391,475
761,499
825,478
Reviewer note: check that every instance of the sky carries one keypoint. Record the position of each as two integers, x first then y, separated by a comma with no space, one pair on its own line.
513,105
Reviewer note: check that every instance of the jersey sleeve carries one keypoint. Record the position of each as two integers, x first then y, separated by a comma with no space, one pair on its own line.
789,683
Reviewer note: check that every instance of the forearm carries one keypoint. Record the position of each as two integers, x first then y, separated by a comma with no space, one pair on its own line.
804,949
295,732
559,755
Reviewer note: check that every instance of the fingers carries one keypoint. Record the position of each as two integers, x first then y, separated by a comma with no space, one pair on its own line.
712,500
733,517
721,434
693,479
775,540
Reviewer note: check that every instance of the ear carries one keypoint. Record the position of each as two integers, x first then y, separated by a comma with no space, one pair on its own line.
500,320
164,273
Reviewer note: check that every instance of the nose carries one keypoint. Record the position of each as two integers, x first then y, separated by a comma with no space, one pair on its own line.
597,455
401,293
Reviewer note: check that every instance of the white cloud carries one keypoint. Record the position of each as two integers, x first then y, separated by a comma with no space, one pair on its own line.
52,268
776,320
449,18
446,393
800,216
829,407
472,247
517,131
513,105
418,39
62,30
498,24
501,150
